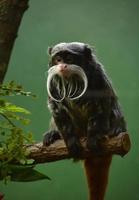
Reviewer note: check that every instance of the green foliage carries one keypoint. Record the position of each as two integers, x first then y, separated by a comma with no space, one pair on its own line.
24,173
13,138
11,89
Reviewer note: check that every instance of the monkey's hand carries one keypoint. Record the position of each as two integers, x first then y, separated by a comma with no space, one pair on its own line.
72,143
50,137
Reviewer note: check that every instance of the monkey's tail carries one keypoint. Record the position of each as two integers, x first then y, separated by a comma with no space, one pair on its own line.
97,170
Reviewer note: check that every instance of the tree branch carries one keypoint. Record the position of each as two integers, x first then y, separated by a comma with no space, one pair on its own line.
119,145
11,12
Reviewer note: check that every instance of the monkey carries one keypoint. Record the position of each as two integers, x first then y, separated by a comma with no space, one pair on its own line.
83,103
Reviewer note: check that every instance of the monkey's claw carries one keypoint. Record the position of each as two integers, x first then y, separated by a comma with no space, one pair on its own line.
50,137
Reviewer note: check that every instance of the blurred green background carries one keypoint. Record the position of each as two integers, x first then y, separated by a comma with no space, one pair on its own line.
112,27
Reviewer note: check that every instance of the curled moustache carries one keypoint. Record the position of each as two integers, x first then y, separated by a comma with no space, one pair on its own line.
72,86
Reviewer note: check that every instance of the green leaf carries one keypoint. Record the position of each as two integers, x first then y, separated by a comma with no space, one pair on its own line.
12,89
30,161
1,151
26,174
9,107
25,121
13,108
2,103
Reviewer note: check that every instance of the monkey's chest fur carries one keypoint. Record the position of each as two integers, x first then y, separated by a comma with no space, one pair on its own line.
77,116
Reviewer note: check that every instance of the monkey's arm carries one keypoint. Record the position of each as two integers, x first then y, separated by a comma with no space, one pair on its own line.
65,127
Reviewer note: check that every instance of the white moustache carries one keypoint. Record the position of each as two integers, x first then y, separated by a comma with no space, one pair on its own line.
72,91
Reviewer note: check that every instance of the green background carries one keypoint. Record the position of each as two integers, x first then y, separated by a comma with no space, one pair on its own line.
112,28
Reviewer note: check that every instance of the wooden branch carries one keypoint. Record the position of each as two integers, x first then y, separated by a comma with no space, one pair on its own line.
57,151
11,12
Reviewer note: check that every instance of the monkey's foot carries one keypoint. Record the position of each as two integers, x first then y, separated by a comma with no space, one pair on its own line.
74,147
50,137
93,144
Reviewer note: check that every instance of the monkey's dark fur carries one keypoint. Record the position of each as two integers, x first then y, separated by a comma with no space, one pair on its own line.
95,114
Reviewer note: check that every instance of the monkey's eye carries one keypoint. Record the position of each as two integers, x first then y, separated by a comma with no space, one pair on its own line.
58,59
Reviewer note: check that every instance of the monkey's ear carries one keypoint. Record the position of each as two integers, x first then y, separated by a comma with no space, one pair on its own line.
49,51
88,51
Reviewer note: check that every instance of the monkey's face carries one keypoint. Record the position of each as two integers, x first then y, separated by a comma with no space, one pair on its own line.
66,77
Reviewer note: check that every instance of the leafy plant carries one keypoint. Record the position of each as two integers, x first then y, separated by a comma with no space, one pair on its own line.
13,137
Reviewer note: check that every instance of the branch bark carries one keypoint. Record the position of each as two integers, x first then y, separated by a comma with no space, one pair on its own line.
119,145
11,12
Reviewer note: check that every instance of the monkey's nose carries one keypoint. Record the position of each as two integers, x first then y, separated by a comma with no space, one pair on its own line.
63,69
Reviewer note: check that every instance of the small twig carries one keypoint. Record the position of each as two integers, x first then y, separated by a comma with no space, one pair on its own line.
10,122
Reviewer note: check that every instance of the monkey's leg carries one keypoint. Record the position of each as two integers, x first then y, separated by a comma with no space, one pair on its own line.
97,171
99,124
94,135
